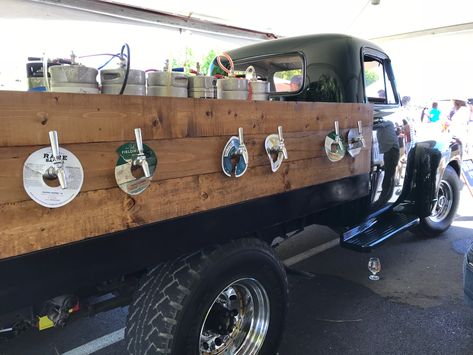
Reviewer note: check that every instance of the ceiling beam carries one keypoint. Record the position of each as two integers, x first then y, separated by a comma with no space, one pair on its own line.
152,17
427,32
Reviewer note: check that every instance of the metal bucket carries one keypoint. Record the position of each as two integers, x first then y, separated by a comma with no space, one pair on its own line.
202,82
130,89
202,93
234,95
112,81
74,79
163,78
259,91
75,88
202,87
73,74
232,89
170,91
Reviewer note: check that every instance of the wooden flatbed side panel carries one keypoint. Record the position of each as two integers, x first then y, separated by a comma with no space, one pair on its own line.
176,158
28,227
27,117
188,136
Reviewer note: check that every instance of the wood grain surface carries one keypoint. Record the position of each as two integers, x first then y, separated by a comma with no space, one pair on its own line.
188,136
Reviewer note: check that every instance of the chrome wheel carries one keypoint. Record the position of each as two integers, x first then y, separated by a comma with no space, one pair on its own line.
444,202
237,321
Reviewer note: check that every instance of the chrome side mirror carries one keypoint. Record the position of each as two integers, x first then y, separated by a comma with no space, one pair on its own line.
235,156
276,149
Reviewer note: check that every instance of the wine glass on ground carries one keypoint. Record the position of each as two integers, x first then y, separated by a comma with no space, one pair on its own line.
374,265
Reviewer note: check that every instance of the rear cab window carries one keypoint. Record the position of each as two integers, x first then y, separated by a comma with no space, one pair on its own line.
284,72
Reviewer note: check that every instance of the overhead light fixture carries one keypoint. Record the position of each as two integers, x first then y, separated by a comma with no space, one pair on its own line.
375,2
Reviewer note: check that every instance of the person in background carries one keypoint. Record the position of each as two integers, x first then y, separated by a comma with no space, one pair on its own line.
459,124
401,139
434,114
469,138
407,133
296,83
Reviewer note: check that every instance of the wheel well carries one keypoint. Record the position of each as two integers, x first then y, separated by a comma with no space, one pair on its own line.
456,166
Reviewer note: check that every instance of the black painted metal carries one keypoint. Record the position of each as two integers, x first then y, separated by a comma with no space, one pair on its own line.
377,230
333,70
38,276
426,165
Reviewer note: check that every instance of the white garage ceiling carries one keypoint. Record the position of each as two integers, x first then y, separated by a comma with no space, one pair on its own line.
428,40
357,17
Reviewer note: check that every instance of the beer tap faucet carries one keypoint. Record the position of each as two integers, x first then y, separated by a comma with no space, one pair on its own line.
140,159
282,145
242,151
57,170
360,134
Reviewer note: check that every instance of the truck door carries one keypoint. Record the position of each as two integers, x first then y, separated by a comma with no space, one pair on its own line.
380,90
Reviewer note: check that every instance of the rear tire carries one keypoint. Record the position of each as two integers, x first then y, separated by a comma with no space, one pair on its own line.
232,296
446,207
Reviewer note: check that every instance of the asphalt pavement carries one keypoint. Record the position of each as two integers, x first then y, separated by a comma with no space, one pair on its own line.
416,307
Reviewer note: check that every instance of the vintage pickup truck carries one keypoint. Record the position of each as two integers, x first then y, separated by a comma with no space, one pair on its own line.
192,254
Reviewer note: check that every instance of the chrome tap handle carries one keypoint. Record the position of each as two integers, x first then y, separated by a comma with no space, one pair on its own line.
139,140
58,162
282,144
242,149
360,132
240,136
54,144
337,132
141,158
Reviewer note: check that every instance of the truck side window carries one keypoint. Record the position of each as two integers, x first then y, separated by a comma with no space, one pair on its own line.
378,87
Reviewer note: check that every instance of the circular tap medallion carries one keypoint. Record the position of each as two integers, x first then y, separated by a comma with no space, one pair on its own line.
42,185
232,162
129,176
334,147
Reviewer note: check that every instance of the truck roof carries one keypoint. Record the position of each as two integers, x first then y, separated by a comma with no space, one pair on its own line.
328,57
306,44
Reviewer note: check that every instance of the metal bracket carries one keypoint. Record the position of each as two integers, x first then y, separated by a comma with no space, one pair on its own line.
235,156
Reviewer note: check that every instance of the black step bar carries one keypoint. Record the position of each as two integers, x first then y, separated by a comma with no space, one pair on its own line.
376,230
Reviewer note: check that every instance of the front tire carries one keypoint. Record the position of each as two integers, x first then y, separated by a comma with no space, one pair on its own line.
446,206
230,299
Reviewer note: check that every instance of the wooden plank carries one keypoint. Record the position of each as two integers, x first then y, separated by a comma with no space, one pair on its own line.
176,158
27,227
26,117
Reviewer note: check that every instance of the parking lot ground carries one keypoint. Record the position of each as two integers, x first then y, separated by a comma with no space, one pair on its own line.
416,307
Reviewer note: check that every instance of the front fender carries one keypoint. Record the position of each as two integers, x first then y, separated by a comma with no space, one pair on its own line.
426,164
